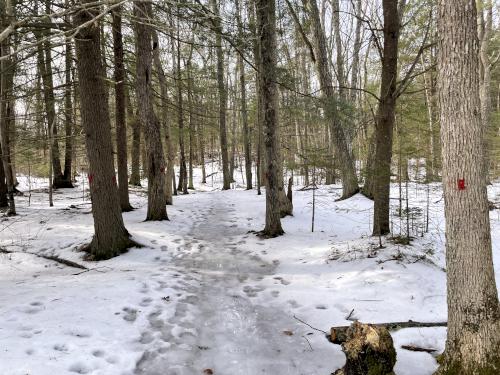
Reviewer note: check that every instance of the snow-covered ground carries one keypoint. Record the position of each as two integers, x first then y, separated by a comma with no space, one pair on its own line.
205,295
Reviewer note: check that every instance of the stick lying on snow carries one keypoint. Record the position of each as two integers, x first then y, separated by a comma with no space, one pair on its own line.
54,258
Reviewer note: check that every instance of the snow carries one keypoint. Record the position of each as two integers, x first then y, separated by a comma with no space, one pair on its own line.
204,292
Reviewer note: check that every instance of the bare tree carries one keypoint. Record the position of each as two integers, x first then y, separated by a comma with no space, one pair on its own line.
120,111
473,342
110,237
266,24
154,148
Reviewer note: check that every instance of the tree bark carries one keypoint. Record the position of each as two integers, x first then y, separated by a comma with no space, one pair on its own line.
191,124
168,136
385,117
120,111
135,175
5,92
45,66
68,117
337,133
157,209
110,237
485,31
473,341
222,96
266,25
243,104
4,202
182,185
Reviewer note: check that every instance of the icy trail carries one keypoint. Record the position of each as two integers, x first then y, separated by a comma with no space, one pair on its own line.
228,332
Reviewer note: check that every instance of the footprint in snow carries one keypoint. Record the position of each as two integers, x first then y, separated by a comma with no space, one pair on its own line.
130,314
80,368
98,353
146,301
61,347
80,333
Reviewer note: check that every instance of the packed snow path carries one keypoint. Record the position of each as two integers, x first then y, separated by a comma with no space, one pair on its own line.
228,333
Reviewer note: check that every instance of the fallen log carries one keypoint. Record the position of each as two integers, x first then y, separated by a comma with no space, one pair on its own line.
338,335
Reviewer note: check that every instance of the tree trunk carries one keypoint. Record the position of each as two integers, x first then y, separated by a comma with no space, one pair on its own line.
385,117
338,136
473,341
68,117
4,202
266,25
243,105
222,96
110,238
191,122
166,125
485,31
157,209
182,185
355,56
120,114
135,175
251,10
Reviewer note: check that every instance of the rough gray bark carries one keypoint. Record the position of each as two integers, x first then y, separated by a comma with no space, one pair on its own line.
182,185
135,175
4,202
385,117
266,25
44,54
337,133
120,111
485,29
222,96
473,341
191,124
243,104
157,209
68,116
166,125
259,115
110,237
338,49
5,91
355,68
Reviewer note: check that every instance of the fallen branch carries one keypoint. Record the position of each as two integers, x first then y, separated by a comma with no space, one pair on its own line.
310,326
414,348
53,258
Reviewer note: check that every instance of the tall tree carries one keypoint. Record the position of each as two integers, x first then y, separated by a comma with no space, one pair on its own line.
68,113
120,111
385,117
166,125
6,14
110,237
243,102
221,85
266,24
154,148
344,157
473,342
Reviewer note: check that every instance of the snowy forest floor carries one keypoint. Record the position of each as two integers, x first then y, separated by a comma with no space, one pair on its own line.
205,295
